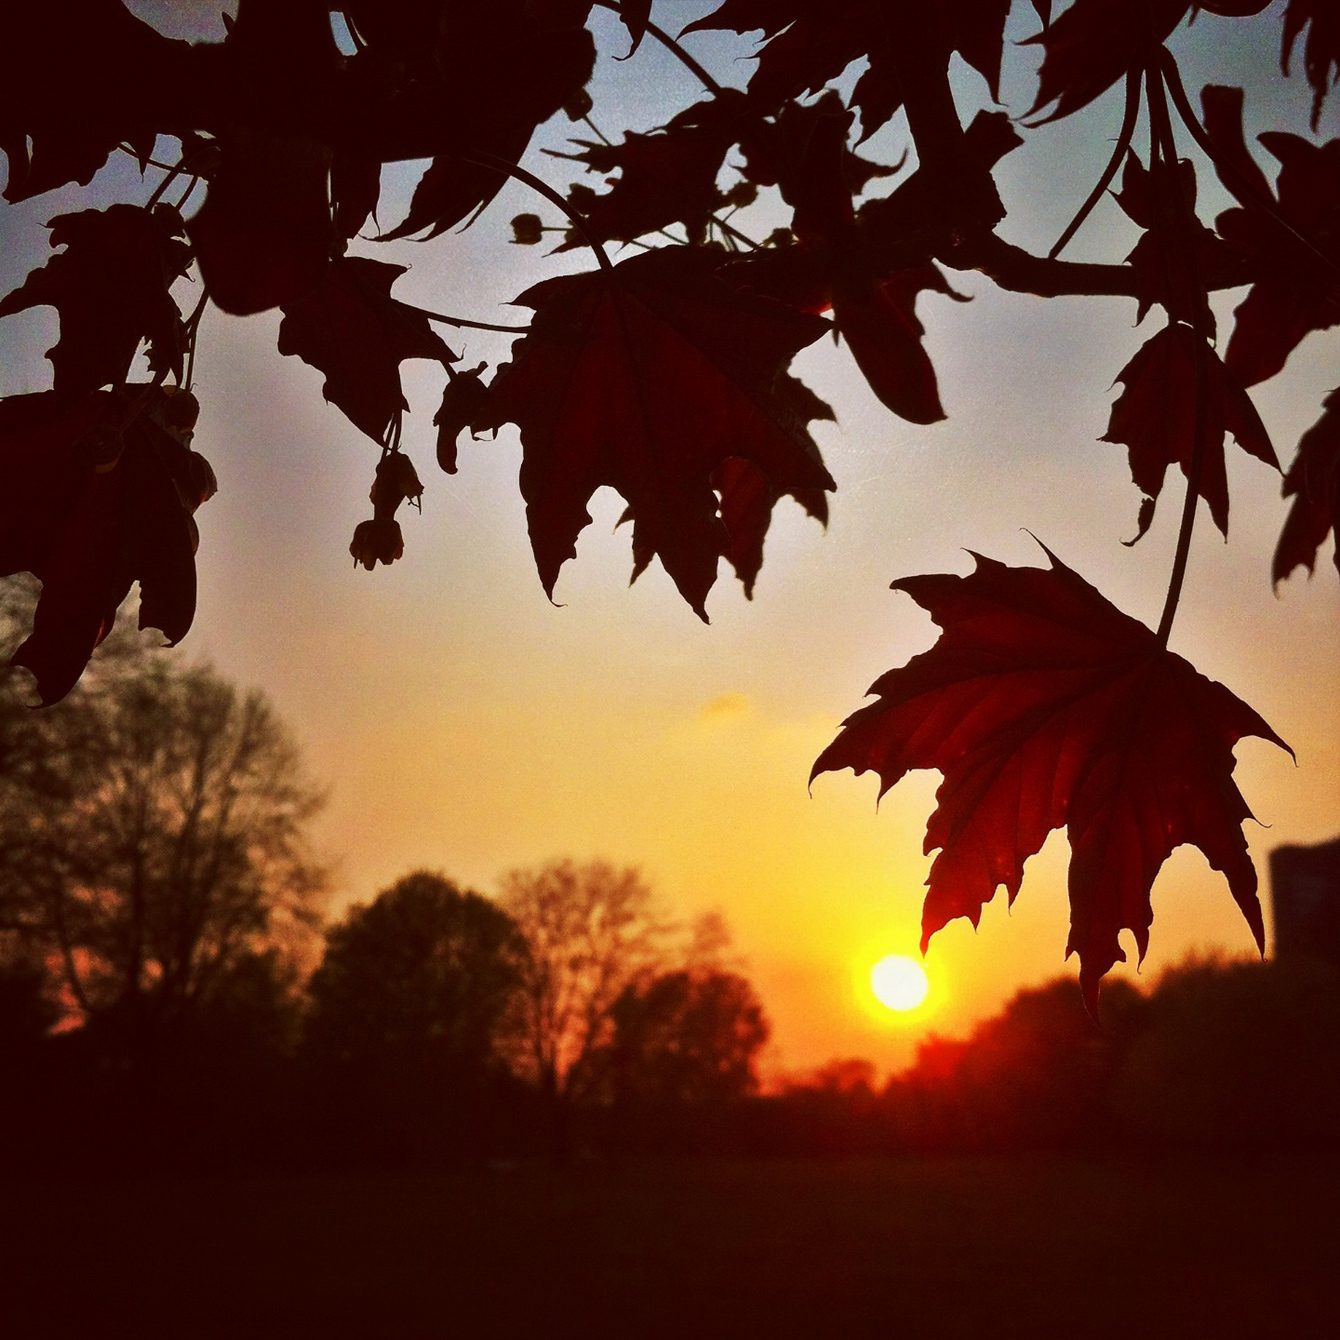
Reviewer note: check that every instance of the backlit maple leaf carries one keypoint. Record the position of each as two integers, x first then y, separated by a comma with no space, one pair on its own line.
351,328
1044,705
647,379
1155,417
1313,482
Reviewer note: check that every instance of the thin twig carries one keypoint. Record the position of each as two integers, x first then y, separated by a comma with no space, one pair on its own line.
732,231
482,159
162,186
671,45
596,131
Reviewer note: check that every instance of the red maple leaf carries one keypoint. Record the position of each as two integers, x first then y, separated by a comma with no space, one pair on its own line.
1155,416
351,328
1313,482
647,378
1044,705
96,494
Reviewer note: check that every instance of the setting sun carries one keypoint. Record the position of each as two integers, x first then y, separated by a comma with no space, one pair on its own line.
899,982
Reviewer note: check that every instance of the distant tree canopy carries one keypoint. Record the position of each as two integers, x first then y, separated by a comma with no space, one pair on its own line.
152,835
420,981
687,1039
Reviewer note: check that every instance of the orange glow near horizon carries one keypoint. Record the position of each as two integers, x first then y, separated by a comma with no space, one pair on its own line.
466,724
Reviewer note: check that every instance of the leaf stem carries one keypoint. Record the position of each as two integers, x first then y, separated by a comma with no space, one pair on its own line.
1124,138
732,231
461,321
672,46
193,326
1163,146
481,158
1195,468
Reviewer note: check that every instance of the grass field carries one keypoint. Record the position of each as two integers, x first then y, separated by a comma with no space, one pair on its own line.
973,1248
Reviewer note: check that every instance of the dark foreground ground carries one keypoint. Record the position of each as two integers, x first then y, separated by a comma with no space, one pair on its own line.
972,1248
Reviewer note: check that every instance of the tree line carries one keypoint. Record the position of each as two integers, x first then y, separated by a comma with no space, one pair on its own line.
171,996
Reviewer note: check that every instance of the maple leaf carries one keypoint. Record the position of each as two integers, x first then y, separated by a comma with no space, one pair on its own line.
1298,259
350,328
1155,417
111,286
809,43
647,379
879,323
1321,55
1162,200
1044,705
97,493
1313,482
1093,44
494,73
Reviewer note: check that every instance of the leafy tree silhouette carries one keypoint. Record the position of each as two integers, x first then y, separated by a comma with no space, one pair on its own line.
409,1017
152,839
664,375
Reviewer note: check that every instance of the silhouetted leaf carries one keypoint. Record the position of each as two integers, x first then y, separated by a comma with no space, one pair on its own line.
667,176
646,380
1044,705
1313,482
264,235
96,493
1298,261
111,287
464,405
76,80
1155,417
1094,44
351,328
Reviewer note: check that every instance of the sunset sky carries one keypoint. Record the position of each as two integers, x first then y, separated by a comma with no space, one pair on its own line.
466,724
